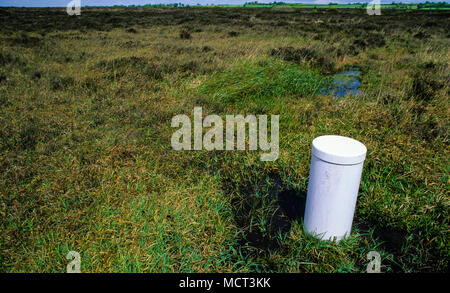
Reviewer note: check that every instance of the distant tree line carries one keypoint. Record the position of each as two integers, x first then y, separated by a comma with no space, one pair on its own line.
426,4
433,5
399,5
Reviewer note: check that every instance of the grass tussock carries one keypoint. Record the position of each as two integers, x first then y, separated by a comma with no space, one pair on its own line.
264,82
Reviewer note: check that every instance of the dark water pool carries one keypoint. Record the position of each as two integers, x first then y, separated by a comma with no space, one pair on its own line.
344,83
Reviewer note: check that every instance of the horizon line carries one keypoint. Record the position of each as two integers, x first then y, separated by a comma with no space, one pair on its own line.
274,3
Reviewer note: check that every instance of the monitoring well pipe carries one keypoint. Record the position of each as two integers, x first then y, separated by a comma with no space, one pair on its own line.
334,178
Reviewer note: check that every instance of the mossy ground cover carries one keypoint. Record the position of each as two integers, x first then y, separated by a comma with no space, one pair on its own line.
87,165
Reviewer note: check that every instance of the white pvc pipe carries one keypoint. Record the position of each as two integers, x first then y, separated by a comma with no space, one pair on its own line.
334,177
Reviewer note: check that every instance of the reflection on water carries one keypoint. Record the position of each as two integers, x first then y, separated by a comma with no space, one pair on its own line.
344,83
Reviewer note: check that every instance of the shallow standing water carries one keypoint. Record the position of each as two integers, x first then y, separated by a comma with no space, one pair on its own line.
344,83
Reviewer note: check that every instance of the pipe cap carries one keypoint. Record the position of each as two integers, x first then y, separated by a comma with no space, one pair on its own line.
339,149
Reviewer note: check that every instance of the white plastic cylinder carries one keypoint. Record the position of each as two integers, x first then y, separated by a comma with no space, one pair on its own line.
334,178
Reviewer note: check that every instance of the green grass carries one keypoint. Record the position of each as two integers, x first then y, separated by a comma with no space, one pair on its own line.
263,83
87,165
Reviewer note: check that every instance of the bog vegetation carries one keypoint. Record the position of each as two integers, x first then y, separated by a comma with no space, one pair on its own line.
86,162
